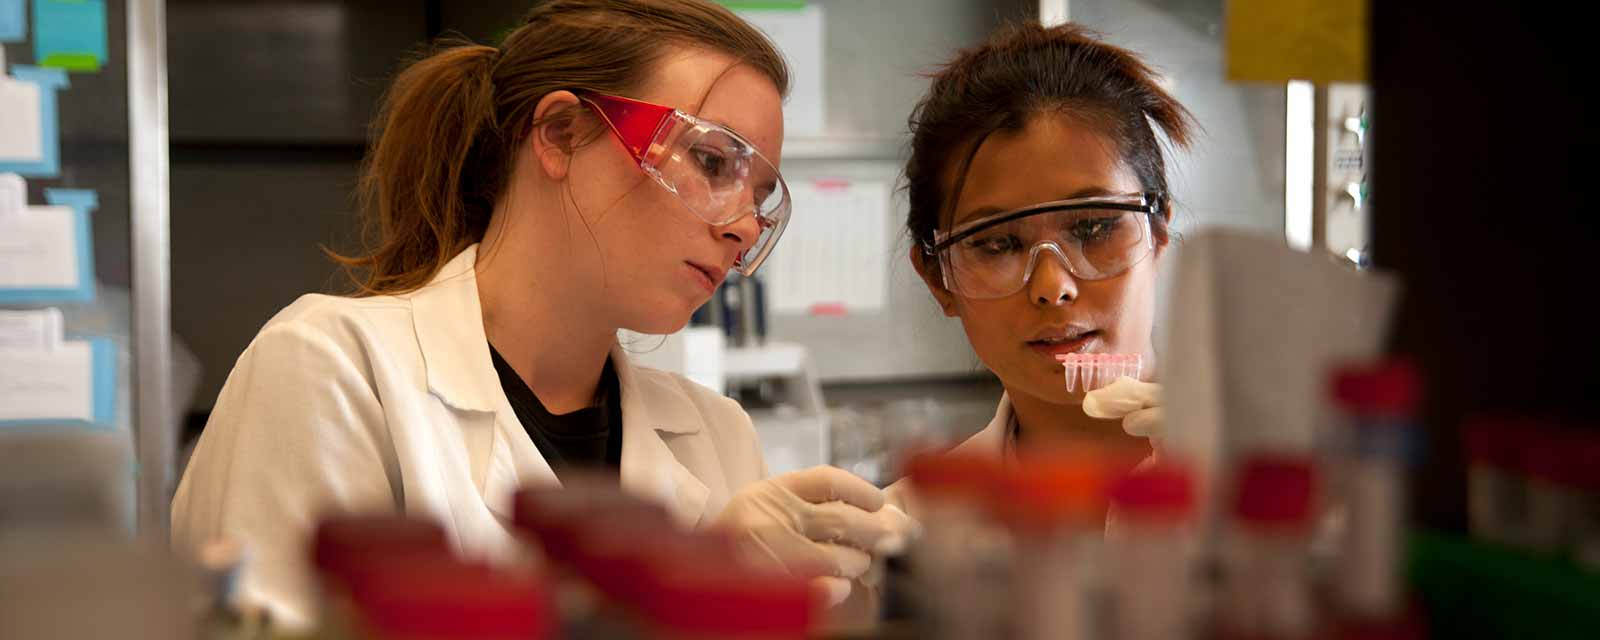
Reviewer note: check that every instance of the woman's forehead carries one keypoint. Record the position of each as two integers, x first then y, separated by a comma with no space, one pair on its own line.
716,87
1049,159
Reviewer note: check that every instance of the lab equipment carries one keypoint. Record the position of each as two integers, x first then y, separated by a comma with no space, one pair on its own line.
1586,519
645,578
1055,508
1375,405
1099,369
1560,474
348,551
1267,590
1244,364
959,564
1534,483
1151,581
1550,499
1495,506
449,599
744,311
707,597
552,516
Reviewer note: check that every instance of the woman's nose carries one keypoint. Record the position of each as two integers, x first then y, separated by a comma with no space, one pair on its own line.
743,232
1051,282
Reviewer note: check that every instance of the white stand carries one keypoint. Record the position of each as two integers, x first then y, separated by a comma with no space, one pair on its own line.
795,435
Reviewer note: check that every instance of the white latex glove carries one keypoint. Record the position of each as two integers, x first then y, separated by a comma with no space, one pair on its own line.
822,523
1136,403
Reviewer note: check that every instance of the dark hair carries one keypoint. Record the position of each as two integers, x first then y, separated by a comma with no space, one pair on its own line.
1027,69
445,141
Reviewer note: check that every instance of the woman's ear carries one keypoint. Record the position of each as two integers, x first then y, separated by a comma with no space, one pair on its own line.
931,277
1165,239
553,139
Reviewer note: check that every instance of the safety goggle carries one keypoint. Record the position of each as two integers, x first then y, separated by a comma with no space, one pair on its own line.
717,174
1096,238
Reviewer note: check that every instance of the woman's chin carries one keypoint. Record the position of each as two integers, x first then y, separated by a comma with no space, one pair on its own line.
661,320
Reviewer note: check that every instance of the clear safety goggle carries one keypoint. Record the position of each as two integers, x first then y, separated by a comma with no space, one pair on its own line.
1096,238
717,174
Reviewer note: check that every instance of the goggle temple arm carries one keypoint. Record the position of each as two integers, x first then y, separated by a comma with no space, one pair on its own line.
636,123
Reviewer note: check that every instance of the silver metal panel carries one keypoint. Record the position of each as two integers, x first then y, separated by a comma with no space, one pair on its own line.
149,178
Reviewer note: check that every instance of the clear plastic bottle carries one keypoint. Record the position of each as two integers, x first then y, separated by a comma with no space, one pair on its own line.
1373,441
1496,504
959,564
1584,459
1151,548
1055,507
1267,591
1559,472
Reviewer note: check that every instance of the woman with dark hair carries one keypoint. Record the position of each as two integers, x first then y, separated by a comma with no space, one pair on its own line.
1039,212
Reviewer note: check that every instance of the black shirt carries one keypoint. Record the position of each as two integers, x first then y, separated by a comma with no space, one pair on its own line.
589,437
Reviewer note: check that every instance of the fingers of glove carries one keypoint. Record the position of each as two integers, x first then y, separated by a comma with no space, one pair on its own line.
904,528
828,484
840,561
1144,423
798,556
849,525
1120,398
831,590
776,548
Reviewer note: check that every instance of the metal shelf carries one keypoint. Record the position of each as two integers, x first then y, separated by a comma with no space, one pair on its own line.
891,148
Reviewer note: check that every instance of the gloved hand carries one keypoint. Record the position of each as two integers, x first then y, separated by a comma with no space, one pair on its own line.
821,523
1136,403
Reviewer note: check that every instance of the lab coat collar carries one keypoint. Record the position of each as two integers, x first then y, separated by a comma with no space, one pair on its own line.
455,349
999,438
449,323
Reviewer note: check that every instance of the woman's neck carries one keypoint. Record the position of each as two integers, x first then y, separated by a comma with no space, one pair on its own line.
552,340
1040,421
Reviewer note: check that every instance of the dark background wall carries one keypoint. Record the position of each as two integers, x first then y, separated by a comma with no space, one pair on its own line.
1483,165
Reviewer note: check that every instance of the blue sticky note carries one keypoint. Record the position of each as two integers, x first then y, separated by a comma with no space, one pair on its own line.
48,165
70,34
13,20
82,202
103,380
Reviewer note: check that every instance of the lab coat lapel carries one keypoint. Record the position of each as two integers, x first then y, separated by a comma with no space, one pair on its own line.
513,462
455,350
649,468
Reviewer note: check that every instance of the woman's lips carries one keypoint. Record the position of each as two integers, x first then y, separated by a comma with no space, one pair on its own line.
1053,349
702,276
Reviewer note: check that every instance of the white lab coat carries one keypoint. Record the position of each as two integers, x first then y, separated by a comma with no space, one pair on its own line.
391,403
994,440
